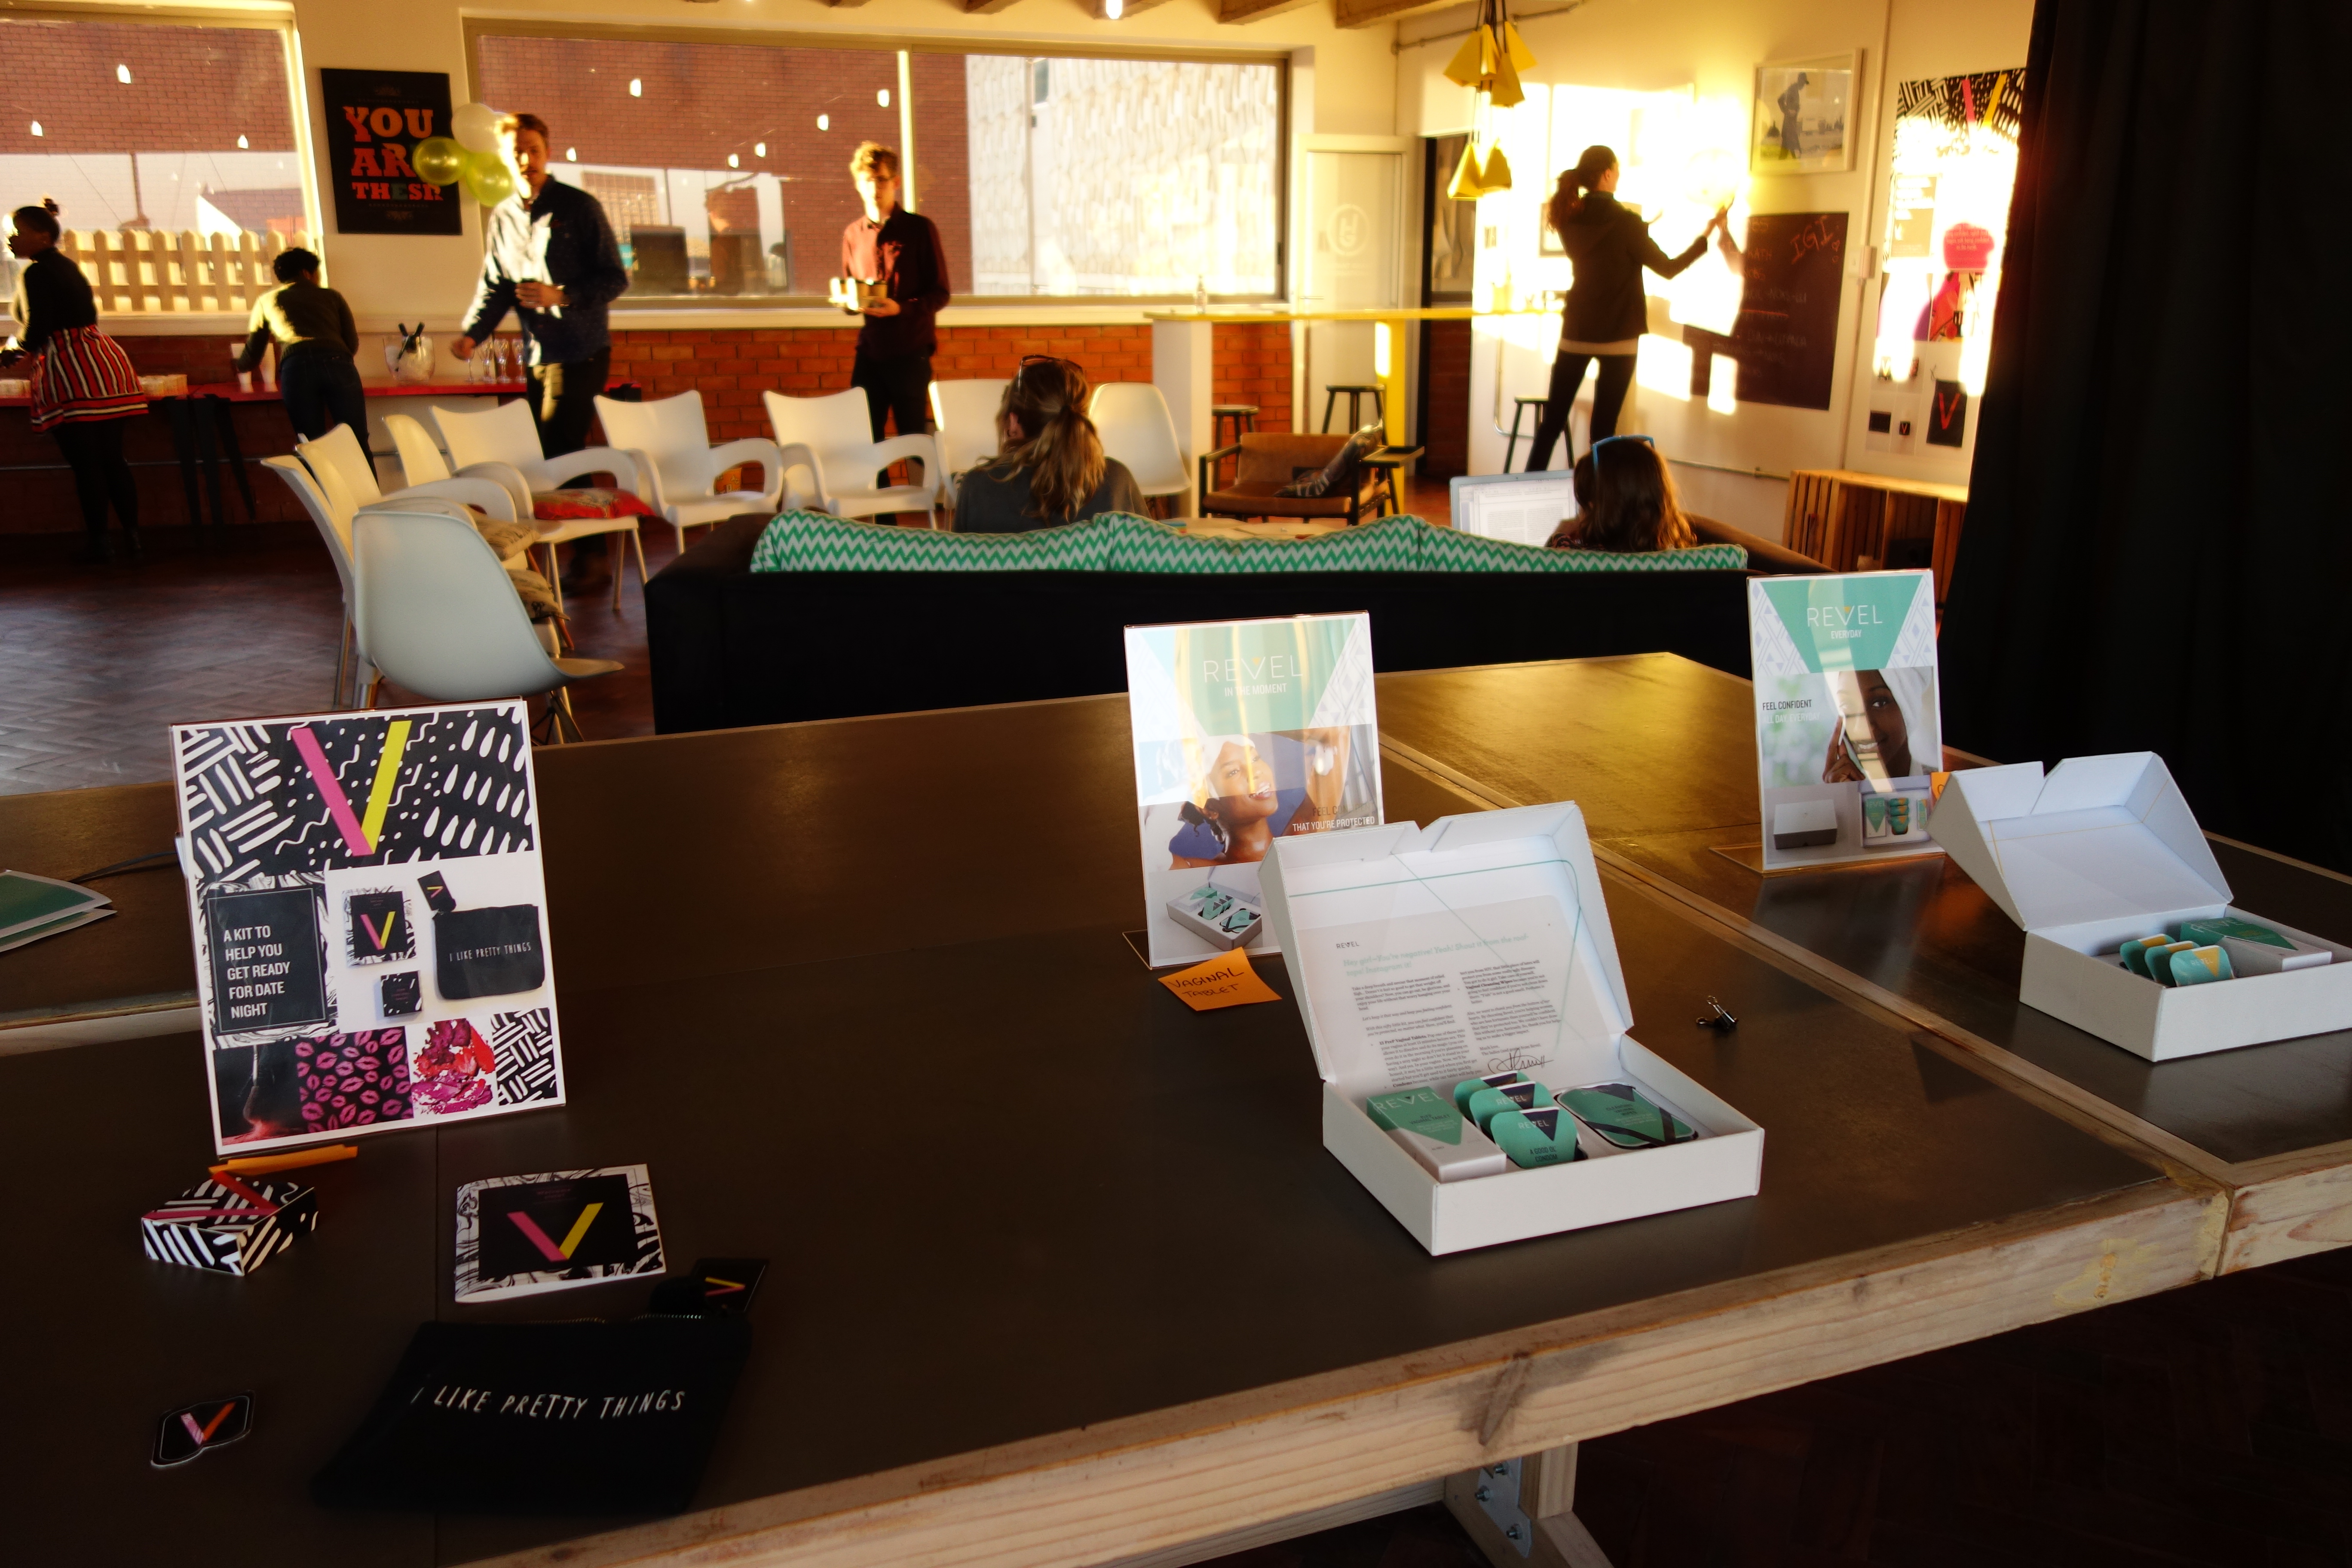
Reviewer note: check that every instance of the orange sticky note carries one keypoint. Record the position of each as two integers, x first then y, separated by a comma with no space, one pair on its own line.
1226,982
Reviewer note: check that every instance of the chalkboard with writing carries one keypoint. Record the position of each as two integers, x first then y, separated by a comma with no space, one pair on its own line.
375,120
1785,338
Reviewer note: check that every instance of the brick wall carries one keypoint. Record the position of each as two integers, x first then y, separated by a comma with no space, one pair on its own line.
191,89
1251,363
732,368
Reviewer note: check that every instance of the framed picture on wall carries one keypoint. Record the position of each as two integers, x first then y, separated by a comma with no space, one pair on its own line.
1805,116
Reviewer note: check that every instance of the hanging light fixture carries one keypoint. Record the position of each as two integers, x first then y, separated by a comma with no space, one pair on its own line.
1488,63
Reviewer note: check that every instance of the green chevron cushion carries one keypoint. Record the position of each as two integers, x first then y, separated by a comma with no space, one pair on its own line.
1120,542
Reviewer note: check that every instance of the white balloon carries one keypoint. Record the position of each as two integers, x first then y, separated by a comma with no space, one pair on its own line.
476,127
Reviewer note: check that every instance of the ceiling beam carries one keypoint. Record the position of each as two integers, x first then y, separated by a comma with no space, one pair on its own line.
1368,13
1132,7
1236,11
984,7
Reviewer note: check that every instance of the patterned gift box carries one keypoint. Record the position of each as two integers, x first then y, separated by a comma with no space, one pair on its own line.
216,1227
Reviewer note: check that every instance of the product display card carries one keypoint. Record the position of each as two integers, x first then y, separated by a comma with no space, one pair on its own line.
1246,731
1849,739
369,920
520,1235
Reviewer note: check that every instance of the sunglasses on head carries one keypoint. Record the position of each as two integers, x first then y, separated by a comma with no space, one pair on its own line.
1606,440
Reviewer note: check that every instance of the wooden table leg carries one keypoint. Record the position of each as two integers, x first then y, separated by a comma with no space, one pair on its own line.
1521,1512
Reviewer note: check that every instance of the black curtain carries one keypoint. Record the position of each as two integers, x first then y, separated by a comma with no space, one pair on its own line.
2156,555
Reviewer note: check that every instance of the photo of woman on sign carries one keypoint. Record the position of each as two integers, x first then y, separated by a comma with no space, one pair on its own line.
1252,789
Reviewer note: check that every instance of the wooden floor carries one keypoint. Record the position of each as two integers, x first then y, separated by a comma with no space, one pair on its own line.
2212,1425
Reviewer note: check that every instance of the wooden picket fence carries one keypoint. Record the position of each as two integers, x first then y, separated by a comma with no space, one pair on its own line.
143,270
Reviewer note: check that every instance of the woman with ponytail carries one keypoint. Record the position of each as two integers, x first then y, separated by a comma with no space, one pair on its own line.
1050,468
1607,309
83,385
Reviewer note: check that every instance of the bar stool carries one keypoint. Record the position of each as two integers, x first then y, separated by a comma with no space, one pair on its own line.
1243,416
1519,407
1356,395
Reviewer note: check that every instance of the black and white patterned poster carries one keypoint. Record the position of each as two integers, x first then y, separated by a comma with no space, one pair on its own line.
369,916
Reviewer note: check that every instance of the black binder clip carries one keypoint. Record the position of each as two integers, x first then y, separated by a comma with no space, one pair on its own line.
1717,1019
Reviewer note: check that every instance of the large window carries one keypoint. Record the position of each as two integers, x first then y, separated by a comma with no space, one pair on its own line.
156,138
724,166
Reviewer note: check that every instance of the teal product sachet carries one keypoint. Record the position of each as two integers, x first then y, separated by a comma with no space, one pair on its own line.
1427,1126
2135,952
1489,1104
1543,1136
1470,1085
2200,966
2160,960
1625,1115
2212,932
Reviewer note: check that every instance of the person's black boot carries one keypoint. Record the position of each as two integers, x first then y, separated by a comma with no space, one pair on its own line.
93,550
134,546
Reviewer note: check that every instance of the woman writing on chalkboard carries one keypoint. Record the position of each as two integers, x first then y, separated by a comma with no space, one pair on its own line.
1607,311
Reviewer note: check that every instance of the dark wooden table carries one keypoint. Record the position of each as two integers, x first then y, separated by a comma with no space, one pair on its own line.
1173,1317
1662,751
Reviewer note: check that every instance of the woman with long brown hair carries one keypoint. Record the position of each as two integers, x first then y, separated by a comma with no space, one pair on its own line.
1633,508
83,384
1607,309
1050,468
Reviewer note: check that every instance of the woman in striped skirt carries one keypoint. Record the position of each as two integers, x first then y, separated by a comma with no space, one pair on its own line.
83,385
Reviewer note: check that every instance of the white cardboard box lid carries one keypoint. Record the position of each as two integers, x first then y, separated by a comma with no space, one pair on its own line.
1468,834
2098,839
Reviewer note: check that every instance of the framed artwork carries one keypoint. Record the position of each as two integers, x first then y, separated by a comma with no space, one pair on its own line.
1803,118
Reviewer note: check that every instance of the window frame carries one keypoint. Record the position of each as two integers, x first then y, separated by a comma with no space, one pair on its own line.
479,27
298,105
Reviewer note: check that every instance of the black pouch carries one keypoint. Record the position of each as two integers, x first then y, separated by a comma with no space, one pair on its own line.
543,1418
483,953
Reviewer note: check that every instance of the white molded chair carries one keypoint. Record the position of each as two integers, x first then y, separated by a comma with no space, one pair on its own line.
338,459
965,413
670,443
422,462
1136,428
334,528
505,436
438,616
836,448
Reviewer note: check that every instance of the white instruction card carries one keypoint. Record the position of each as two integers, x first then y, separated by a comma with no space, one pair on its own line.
1438,997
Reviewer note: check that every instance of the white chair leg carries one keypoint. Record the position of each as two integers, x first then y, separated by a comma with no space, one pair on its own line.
637,541
617,563
555,577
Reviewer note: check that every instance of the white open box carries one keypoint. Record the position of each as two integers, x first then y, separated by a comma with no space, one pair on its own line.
1465,869
2104,850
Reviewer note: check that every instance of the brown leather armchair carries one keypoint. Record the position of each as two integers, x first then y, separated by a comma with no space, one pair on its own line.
1271,459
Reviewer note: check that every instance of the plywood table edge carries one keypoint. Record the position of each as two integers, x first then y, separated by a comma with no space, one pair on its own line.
1152,1482
2289,1205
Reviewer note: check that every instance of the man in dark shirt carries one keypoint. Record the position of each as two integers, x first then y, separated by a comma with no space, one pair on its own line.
315,341
901,250
552,261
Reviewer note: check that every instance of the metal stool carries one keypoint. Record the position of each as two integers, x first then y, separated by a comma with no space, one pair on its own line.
1243,416
1519,407
1356,395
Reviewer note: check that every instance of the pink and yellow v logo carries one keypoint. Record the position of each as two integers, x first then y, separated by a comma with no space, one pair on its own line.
557,1252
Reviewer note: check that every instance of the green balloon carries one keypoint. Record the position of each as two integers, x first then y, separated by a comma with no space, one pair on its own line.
487,179
438,159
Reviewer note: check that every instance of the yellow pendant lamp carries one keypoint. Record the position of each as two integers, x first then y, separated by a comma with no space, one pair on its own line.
1488,63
